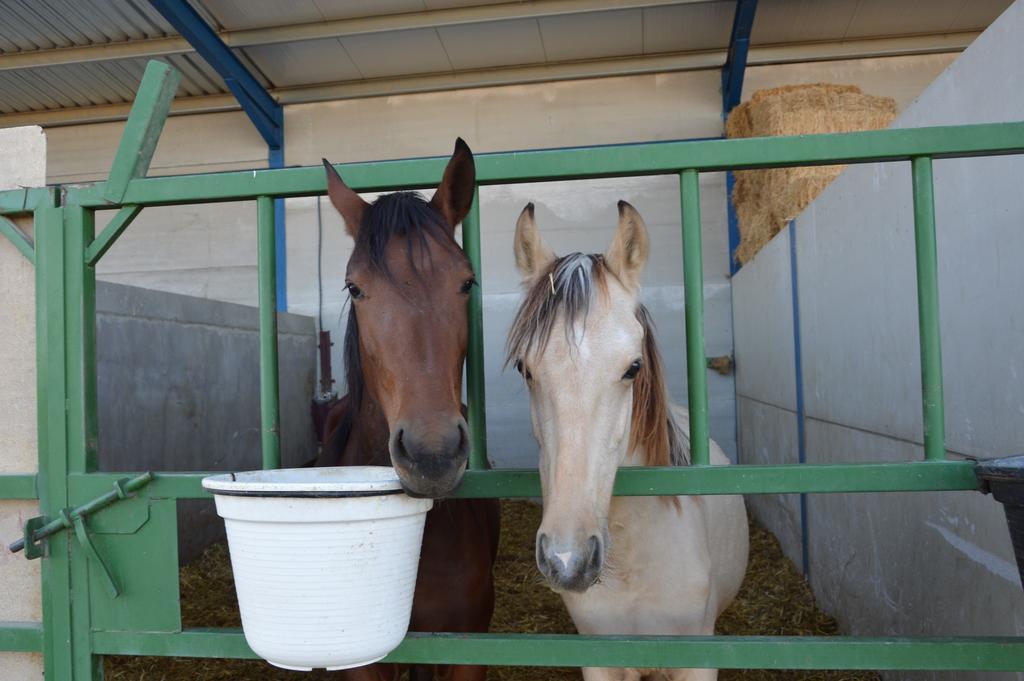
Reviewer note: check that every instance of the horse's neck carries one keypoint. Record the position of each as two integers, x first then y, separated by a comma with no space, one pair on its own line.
368,441
680,421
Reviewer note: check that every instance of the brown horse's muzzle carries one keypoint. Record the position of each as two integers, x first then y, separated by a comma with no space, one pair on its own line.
430,458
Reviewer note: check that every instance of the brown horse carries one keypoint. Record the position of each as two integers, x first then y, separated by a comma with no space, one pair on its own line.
404,349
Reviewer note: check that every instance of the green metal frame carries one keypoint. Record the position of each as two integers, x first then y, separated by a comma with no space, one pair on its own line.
82,621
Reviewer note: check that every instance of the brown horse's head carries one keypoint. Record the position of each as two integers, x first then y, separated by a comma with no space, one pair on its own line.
409,282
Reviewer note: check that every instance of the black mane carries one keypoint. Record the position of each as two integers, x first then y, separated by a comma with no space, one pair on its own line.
405,215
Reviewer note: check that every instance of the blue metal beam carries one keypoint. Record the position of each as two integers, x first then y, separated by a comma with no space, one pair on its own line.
736,60
263,110
732,90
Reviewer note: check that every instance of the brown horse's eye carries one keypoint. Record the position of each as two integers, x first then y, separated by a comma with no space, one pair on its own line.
521,368
633,370
467,286
355,291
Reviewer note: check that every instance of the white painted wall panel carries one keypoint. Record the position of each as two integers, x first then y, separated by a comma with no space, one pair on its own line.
856,256
768,435
935,563
762,301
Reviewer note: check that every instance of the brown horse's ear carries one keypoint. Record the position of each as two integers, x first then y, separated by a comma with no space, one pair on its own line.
533,257
346,201
627,255
454,195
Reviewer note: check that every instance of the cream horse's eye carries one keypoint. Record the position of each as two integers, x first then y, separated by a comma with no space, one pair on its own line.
521,368
633,370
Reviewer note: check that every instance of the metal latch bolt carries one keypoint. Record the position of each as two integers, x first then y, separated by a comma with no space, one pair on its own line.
37,529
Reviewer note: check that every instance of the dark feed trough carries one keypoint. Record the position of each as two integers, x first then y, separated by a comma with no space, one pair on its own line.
1004,479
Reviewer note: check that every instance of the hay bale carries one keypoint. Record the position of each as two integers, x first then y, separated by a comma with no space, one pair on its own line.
766,200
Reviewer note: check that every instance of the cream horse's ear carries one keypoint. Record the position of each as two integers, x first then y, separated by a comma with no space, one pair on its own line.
627,255
532,255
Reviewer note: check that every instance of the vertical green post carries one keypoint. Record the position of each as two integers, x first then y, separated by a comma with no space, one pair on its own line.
693,280
928,310
81,420
80,306
270,415
65,304
475,356
53,470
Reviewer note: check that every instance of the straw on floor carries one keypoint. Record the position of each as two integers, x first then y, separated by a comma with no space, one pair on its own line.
774,600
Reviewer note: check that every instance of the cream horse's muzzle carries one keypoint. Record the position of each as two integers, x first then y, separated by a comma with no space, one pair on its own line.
570,566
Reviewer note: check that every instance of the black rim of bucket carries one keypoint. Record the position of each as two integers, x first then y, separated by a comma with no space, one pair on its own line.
303,494
311,494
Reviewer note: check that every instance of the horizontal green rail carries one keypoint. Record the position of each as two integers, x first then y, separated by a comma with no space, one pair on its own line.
21,637
22,201
576,163
514,483
554,650
18,487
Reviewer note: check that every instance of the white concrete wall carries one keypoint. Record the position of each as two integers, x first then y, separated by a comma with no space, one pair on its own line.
211,250
936,563
22,164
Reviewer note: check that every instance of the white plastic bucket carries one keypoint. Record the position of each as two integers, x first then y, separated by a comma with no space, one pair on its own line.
324,559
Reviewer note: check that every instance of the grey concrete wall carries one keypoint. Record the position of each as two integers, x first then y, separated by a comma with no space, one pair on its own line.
178,388
937,563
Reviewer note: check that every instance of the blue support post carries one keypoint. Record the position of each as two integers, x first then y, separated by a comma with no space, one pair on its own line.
736,60
276,160
734,223
263,110
732,90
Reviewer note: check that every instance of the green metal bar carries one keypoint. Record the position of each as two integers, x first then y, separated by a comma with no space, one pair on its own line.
564,650
143,128
53,463
80,414
101,244
13,486
270,414
563,164
26,200
18,238
928,310
21,637
519,483
693,280
475,357
80,343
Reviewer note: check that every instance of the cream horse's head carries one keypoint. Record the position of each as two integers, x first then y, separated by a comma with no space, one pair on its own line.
579,342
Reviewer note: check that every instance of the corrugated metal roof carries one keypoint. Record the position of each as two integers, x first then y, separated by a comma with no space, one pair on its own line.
48,24
97,83
28,26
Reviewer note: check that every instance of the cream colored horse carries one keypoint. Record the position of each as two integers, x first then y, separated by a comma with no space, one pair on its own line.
623,565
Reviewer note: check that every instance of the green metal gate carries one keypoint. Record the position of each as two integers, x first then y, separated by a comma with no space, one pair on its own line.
111,586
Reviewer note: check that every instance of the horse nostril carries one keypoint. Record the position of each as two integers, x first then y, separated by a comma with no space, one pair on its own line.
400,453
542,550
595,552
